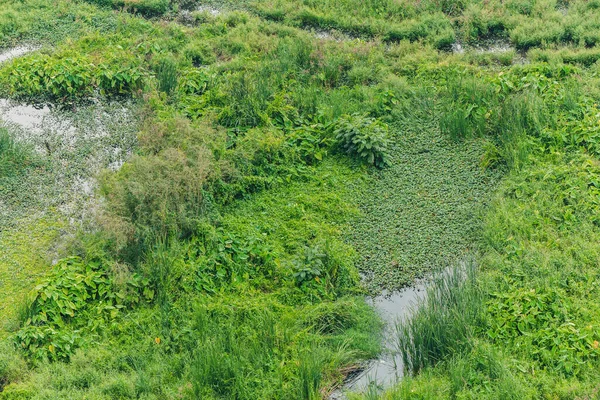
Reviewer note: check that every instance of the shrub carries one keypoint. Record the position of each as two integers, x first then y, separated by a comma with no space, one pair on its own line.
148,8
321,272
199,53
541,321
66,294
67,77
365,138
157,195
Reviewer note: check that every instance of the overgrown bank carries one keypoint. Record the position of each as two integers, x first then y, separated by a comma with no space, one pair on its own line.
524,326
218,266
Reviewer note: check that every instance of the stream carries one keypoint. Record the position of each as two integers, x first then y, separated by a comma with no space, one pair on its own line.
388,369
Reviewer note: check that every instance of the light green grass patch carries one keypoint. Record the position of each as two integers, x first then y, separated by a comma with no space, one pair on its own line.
25,253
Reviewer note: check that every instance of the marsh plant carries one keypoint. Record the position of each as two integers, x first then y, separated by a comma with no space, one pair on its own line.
365,138
166,75
444,322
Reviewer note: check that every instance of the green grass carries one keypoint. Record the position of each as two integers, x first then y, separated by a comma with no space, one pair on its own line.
249,338
222,259
442,322
25,253
14,157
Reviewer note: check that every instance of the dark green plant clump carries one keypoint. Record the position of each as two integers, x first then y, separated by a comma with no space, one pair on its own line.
365,138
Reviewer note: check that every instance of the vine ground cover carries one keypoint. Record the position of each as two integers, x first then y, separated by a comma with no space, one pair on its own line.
425,210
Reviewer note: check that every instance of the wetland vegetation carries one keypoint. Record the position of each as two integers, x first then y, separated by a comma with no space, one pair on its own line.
198,197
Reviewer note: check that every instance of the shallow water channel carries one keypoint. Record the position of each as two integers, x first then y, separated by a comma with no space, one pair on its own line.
388,369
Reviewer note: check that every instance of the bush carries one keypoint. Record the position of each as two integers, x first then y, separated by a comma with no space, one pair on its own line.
67,77
157,195
365,138
199,53
542,321
62,299
148,8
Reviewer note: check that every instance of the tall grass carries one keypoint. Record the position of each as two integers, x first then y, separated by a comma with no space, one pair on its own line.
166,74
14,157
443,323
521,119
465,105
239,354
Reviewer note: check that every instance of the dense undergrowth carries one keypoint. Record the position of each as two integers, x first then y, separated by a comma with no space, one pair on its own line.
524,325
222,262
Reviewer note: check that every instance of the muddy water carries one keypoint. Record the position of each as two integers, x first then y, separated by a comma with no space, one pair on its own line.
388,369
73,146
16,52
26,116
486,46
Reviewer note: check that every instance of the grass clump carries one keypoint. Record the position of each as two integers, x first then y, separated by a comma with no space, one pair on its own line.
443,324
15,157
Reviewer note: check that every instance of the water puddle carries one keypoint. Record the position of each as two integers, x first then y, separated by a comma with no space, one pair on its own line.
388,369
494,46
74,146
26,116
17,52
457,48
333,35
491,47
210,10
189,16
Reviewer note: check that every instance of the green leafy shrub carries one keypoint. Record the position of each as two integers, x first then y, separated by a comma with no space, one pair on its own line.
42,76
363,137
199,53
75,301
147,8
310,267
226,261
311,141
319,271
541,321
74,292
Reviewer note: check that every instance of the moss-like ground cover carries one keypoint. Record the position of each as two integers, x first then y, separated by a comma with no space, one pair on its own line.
425,210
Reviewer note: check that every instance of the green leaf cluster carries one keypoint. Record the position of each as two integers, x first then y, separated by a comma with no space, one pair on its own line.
363,137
